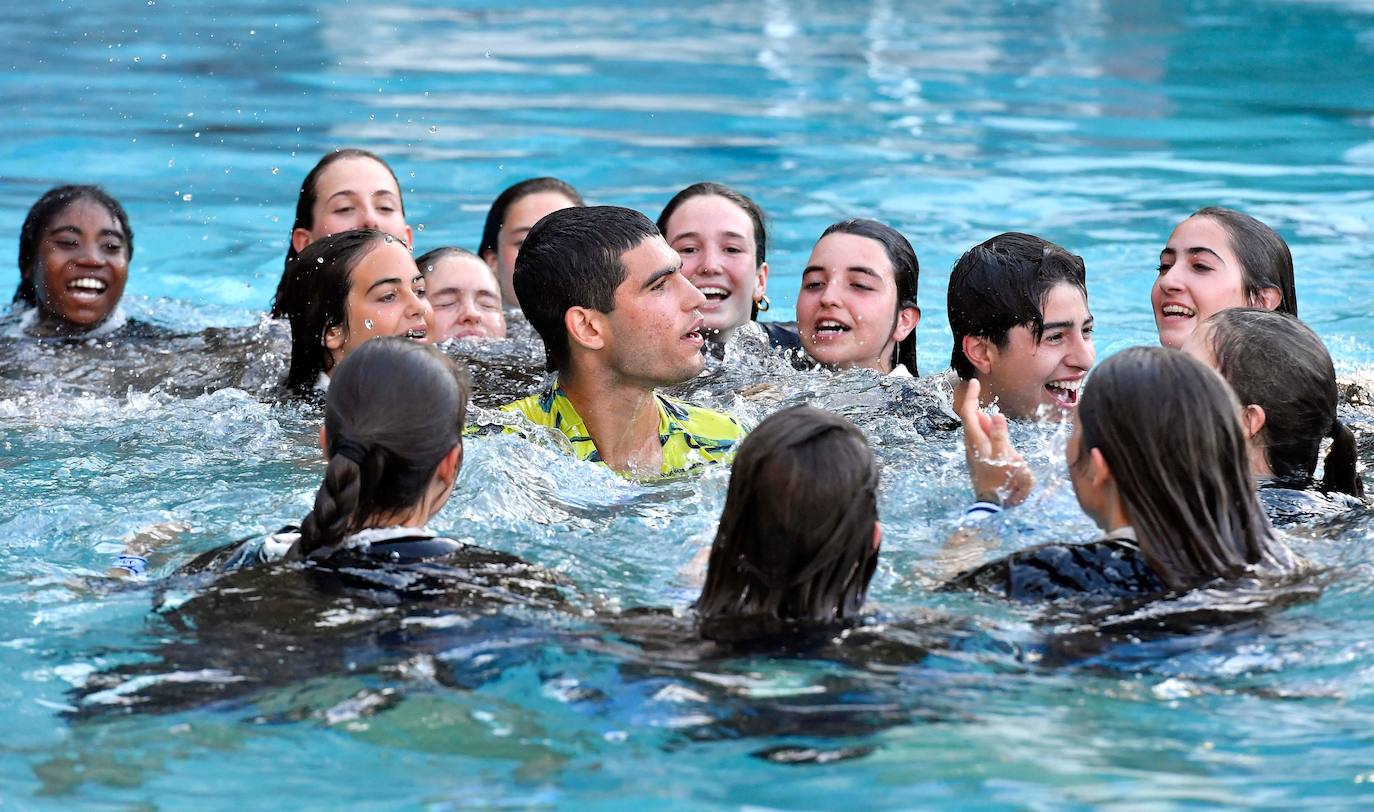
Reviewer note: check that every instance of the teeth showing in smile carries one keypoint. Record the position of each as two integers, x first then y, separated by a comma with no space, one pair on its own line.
831,326
416,333
87,284
714,293
1065,390
1178,310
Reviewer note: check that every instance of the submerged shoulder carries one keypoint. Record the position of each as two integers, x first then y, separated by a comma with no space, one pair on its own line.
700,421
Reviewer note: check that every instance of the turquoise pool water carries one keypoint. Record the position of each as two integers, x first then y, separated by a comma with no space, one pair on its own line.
1097,125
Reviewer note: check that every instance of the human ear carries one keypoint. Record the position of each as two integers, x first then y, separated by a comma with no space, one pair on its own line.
334,338
1252,417
907,319
410,239
450,465
760,281
300,238
489,257
586,327
1099,472
877,536
1269,298
979,352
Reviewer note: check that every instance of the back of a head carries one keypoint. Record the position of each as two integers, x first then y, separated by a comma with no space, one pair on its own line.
571,258
393,410
1169,429
795,540
1276,362
1002,283
1266,261
496,214
41,213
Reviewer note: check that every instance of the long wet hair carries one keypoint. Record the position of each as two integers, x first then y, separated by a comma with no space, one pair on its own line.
1169,429
906,272
1265,261
40,217
394,410
795,540
752,209
313,297
1001,283
1277,363
305,201
496,215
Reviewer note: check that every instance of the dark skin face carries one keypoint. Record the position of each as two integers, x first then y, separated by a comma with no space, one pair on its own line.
83,263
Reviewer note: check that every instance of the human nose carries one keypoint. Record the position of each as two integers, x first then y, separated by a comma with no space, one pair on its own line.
468,312
830,294
1082,353
1171,280
88,254
693,298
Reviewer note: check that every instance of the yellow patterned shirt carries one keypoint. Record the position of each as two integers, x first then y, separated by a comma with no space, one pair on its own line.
691,436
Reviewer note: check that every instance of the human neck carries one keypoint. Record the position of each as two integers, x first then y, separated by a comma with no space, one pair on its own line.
49,326
621,417
1259,461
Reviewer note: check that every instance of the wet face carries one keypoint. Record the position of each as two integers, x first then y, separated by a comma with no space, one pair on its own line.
354,193
386,297
715,238
847,308
520,218
83,265
466,299
654,333
1199,274
1030,378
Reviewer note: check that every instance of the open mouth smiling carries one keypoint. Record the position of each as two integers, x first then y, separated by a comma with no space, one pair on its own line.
87,287
1065,392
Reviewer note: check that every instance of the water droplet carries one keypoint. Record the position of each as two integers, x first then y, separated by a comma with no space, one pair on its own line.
387,239
186,197
420,227
164,56
190,115
171,162
138,59
197,135
275,170
319,260
367,323
433,129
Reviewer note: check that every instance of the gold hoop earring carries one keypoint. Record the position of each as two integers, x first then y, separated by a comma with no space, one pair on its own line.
763,304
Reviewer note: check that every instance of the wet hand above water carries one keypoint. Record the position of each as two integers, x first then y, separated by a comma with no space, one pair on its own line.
998,472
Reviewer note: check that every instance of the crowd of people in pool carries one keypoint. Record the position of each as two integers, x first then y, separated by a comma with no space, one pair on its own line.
1170,445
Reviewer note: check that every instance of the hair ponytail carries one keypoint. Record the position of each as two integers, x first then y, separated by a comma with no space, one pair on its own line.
336,506
1341,467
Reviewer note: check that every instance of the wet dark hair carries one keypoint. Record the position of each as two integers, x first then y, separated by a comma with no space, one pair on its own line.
393,411
1277,363
429,259
305,201
313,296
795,540
496,215
756,215
571,258
1002,283
1265,260
905,272
1169,429
40,216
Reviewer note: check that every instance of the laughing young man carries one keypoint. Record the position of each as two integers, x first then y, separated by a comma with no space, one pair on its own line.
1018,308
618,319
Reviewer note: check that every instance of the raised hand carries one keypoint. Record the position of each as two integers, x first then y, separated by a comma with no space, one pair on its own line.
998,472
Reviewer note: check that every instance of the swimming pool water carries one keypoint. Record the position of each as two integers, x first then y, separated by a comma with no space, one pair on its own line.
1095,124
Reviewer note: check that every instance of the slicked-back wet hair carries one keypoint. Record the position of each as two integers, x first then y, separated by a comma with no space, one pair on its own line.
1276,362
313,297
906,272
795,540
305,201
752,209
1003,283
429,259
1169,428
40,217
496,215
571,258
394,410
1265,261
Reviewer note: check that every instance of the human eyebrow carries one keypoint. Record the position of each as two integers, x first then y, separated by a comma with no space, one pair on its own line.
863,270
1202,249
395,280
813,269
64,229
343,192
110,232
1089,322
1057,325
657,275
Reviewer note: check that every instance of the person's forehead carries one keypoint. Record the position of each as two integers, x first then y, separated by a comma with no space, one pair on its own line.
360,175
